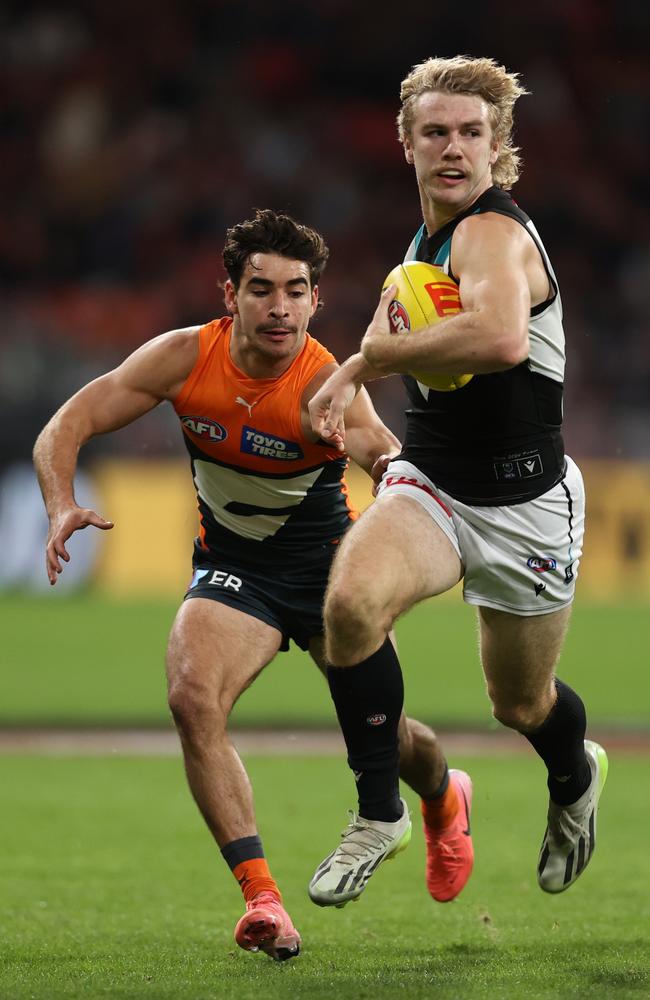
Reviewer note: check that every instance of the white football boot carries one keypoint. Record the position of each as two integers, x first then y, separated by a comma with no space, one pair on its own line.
570,836
365,843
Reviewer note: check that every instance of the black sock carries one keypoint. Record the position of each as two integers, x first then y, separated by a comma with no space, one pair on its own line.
440,790
368,699
560,743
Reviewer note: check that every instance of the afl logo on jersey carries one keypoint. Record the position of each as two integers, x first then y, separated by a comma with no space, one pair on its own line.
541,564
399,318
204,427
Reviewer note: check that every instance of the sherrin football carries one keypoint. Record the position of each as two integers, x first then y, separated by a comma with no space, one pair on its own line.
425,295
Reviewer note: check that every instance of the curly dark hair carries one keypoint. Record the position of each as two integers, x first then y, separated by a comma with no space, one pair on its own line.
271,232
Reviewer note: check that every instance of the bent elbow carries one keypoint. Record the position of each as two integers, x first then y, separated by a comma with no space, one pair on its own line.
513,351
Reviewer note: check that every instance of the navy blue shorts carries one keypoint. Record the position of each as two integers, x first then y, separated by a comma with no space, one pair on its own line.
288,598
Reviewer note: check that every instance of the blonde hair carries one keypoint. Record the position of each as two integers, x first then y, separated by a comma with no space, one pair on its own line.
477,76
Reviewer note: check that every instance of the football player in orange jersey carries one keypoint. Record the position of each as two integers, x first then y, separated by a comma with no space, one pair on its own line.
273,506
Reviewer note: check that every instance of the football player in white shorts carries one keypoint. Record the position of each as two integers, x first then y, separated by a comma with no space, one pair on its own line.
481,492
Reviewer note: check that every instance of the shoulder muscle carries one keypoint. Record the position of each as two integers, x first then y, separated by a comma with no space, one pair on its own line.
161,366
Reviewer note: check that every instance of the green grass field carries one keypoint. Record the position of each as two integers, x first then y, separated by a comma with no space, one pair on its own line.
111,888
94,661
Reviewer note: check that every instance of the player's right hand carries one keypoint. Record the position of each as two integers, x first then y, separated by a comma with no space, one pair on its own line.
62,526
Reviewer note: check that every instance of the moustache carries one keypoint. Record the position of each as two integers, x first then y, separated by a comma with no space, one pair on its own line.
271,327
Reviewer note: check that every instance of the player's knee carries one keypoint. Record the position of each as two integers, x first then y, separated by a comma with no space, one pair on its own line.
521,714
352,611
194,708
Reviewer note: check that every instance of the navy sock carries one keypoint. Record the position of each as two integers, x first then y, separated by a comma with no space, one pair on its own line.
244,849
369,698
560,743
440,790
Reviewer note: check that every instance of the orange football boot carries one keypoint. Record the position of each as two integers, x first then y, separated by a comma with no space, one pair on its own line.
450,852
266,926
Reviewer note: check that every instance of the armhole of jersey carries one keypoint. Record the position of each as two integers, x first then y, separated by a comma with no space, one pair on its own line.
450,270
541,306
320,357
296,416
194,374
535,310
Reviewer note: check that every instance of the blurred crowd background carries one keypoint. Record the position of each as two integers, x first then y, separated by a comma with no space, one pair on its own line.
133,134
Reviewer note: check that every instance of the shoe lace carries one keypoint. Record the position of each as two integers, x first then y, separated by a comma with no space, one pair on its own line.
358,838
563,826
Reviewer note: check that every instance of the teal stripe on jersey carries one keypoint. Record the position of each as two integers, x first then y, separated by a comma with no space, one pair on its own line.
442,256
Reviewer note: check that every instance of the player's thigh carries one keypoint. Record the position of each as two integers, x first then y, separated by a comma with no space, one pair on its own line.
519,653
394,555
216,651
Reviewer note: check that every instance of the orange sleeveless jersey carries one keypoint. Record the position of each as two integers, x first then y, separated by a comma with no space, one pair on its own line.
264,491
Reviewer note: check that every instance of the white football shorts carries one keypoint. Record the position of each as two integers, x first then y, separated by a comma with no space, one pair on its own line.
522,559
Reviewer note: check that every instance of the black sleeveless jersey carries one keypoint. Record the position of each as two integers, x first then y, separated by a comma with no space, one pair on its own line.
497,440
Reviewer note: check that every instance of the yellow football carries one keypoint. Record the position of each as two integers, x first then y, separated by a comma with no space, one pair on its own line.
425,295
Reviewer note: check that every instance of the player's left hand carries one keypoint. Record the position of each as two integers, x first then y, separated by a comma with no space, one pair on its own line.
378,344
327,409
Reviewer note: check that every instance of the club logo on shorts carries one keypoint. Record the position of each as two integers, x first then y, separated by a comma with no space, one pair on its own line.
204,427
377,719
541,564
399,318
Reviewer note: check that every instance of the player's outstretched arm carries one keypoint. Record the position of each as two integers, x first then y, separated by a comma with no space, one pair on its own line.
328,405
154,372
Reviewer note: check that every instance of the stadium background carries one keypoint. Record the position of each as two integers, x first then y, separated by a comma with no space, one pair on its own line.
133,135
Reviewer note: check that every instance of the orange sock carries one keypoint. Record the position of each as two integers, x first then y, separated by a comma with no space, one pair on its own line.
254,877
440,812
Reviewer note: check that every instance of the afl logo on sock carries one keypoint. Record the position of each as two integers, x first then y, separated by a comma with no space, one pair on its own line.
376,720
